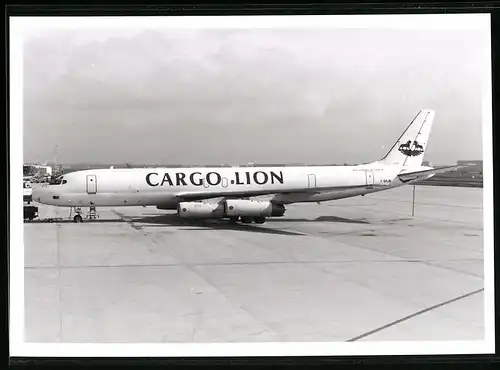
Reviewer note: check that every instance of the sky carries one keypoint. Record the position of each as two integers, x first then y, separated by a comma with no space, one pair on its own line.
233,96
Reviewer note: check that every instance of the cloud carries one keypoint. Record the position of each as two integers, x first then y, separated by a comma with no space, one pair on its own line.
248,95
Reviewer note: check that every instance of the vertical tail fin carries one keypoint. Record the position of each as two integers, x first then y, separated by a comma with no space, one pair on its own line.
409,150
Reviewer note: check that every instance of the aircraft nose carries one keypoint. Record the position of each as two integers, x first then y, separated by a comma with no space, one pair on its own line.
36,195
40,195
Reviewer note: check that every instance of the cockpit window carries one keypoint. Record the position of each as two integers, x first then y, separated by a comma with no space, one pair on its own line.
64,181
57,181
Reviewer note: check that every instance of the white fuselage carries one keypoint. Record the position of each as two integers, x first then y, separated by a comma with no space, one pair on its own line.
165,187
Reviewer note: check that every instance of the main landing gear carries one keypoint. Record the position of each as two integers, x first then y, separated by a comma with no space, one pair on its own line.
247,220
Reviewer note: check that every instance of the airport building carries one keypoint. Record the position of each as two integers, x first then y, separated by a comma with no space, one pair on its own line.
475,166
471,176
33,169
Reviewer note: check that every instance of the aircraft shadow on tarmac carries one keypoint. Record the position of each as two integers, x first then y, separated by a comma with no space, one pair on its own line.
200,224
161,220
277,219
165,220
320,219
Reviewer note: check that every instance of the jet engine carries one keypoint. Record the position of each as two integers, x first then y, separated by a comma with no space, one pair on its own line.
252,208
200,210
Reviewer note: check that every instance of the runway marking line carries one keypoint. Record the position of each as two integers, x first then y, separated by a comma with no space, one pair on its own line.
415,314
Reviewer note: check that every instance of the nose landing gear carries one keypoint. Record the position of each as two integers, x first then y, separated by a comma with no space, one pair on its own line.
91,215
78,214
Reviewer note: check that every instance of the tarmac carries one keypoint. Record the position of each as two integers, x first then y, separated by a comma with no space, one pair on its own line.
358,269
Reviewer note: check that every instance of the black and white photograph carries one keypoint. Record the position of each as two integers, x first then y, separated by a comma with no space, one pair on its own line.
266,185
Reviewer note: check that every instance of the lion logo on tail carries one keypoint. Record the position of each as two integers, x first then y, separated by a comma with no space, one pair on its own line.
411,149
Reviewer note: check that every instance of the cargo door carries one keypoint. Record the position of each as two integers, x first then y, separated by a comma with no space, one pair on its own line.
91,184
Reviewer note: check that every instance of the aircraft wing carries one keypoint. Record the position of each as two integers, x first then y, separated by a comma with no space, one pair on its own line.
421,175
192,196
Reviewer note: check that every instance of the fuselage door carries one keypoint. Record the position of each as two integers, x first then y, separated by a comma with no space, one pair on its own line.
312,181
369,178
91,184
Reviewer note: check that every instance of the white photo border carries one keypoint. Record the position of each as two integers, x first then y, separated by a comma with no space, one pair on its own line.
20,27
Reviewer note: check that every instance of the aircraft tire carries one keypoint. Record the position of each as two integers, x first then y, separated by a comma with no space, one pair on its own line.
78,218
246,220
233,219
260,220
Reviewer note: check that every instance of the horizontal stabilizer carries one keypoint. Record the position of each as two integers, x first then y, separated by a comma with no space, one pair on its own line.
422,175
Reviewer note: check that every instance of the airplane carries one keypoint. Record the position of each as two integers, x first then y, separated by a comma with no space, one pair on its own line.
246,194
